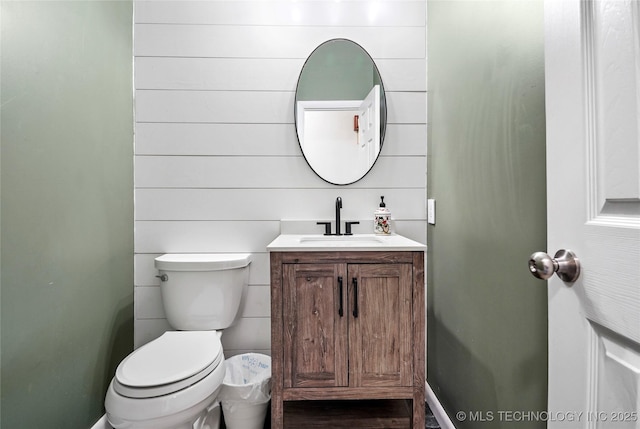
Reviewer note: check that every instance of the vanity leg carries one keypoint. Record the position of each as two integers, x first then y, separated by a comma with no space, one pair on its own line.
419,341
418,410
276,414
277,363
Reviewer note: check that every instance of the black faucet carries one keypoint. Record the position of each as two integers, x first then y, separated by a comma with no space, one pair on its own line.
338,207
327,225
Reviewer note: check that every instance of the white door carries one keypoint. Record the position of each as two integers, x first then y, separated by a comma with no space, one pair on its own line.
369,125
592,66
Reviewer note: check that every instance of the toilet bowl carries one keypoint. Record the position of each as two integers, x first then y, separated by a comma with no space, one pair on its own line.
172,382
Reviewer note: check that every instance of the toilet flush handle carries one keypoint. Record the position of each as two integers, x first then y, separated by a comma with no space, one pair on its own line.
163,277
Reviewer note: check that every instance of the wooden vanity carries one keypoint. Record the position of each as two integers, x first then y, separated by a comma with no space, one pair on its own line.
347,338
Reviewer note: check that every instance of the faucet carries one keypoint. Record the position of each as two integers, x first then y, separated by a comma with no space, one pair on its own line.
327,225
338,207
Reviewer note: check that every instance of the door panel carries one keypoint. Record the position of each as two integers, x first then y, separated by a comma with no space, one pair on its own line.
315,333
617,376
592,57
380,336
369,125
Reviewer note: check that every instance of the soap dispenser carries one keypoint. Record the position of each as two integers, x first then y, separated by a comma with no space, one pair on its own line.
382,219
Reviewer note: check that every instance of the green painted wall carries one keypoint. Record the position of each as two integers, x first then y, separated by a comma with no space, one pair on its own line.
487,316
338,70
67,208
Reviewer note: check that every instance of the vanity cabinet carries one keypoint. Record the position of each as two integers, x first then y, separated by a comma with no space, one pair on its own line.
347,332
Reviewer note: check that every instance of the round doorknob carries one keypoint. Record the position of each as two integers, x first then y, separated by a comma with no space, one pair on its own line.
564,263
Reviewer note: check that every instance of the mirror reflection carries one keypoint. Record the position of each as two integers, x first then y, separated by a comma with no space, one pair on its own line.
340,111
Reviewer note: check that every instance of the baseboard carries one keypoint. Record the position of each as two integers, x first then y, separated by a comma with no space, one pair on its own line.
439,412
102,424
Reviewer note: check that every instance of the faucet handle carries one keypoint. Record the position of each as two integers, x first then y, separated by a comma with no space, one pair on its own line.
348,227
327,227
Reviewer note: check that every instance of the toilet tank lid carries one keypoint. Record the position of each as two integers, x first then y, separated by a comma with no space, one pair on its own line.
202,261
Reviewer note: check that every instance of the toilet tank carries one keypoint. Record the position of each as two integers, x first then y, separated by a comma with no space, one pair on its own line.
203,292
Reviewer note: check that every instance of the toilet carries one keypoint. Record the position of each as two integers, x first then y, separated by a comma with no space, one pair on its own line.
172,382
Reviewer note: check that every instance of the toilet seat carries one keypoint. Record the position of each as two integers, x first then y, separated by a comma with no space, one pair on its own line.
170,363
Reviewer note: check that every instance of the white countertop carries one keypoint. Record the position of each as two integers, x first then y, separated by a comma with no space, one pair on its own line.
356,242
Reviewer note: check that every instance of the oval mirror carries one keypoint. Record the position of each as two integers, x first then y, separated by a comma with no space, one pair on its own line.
340,111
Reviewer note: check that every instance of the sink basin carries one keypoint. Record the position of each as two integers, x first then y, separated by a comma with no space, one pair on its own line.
356,242
343,240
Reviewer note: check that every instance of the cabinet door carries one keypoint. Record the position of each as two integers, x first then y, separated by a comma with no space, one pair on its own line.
315,343
380,332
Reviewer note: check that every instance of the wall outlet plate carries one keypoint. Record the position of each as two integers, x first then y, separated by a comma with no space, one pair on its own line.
431,211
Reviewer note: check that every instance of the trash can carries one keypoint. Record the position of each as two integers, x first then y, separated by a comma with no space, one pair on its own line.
246,390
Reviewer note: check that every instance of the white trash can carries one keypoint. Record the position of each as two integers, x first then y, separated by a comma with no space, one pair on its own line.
246,391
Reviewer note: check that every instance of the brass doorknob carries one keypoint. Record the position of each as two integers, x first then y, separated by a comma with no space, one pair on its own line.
564,263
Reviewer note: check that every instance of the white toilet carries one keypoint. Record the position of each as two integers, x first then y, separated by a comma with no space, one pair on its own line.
172,382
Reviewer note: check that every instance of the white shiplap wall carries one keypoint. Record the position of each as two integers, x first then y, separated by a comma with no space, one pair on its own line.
217,162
